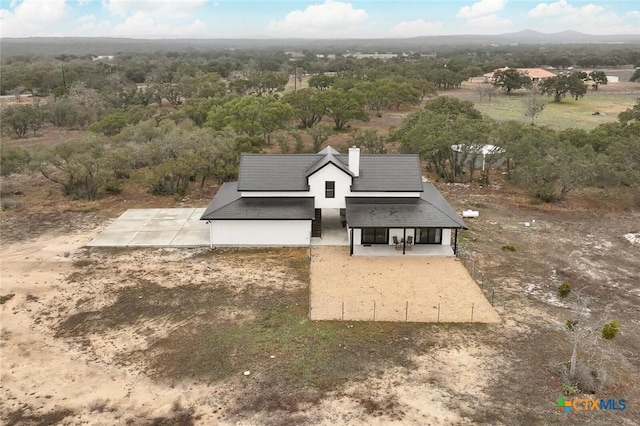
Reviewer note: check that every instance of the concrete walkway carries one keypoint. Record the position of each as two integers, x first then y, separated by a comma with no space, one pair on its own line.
155,228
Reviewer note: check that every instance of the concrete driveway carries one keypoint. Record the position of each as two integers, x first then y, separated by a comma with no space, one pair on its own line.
155,228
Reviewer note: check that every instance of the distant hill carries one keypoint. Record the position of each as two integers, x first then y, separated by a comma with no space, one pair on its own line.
110,46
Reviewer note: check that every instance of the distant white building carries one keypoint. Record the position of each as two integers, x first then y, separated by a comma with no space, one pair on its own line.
481,153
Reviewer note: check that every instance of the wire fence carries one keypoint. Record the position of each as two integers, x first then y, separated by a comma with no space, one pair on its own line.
472,264
407,311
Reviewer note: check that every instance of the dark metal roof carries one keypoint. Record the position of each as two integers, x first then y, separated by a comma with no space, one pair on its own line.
288,172
322,161
228,205
428,210
387,173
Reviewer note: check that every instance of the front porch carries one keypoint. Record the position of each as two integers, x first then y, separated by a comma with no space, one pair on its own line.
333,233
385,250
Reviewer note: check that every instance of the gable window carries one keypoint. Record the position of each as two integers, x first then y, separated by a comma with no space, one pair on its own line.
329,189
428,236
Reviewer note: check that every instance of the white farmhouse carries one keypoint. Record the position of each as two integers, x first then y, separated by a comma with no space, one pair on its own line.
373,203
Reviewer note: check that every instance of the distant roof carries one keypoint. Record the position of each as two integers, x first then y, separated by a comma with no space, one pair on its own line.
228,205
289,172
531,72
428,210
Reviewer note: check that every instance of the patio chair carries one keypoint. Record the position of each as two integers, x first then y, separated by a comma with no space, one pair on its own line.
396,243
409,242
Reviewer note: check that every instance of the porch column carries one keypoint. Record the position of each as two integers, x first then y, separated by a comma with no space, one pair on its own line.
404,240
455,242
350,241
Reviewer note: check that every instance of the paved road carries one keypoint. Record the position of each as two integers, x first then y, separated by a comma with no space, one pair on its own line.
155,228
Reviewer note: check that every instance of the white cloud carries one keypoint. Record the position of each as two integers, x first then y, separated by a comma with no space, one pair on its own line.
176,8
481,8
142,25
327,20
418,27
31,17
590,18
489,22
83,2
563,8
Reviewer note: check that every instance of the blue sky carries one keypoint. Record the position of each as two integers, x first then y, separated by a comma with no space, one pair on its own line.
310,19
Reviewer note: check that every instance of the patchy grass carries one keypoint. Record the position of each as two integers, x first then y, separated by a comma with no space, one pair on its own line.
293,361
567,114
20,417
6,297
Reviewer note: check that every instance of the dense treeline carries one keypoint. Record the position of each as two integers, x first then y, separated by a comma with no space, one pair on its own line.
550,163
177,118
41,75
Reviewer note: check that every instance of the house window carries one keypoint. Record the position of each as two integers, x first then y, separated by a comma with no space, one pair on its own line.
428,236
329,189
375,236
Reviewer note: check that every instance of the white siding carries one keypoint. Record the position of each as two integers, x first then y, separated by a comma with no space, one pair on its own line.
446,237
246,194
260,232
384,194
357,236
317,187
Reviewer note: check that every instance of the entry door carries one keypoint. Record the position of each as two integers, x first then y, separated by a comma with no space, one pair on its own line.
316,224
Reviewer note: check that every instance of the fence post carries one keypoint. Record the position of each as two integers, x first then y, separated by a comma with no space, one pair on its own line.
473,269
493,293
472,306
406,312
482,283
438,312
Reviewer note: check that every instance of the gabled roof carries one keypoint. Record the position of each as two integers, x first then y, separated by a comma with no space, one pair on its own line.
428,210
289,172
325,159
229,205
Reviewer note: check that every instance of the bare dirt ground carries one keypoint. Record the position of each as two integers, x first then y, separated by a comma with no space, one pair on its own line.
158,336
436,289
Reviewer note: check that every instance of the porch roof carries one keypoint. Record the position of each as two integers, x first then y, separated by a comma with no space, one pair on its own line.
430,210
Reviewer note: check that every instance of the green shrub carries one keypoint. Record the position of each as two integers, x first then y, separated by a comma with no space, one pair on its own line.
545,193
509,247
570,324
570,389
563,290
610,330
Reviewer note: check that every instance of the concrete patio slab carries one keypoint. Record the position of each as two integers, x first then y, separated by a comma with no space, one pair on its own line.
155,228
127,225
185,238
139,214
153,238
174,214
165,224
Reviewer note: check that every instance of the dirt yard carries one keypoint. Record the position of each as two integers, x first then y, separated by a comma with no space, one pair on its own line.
164,336
436,289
